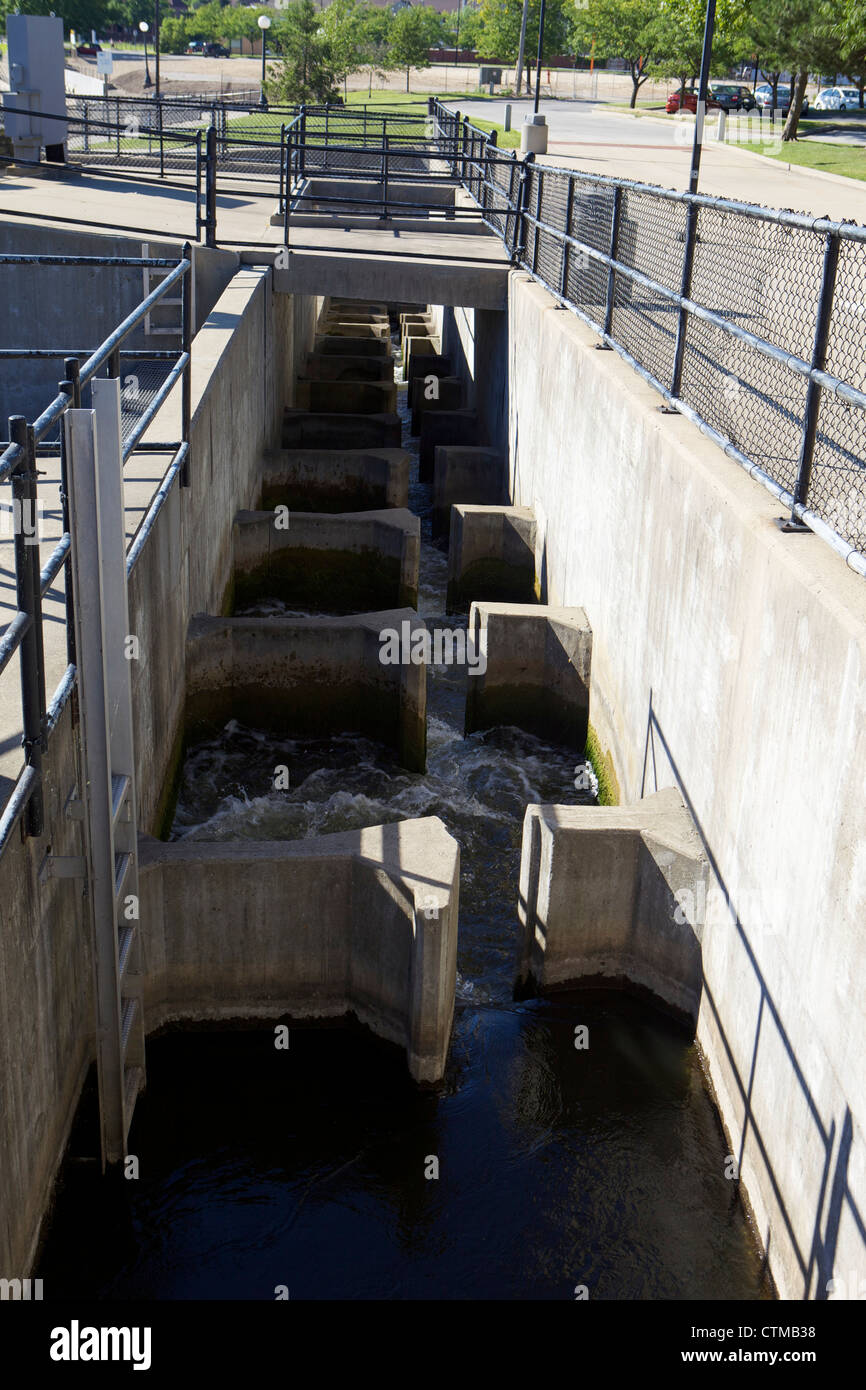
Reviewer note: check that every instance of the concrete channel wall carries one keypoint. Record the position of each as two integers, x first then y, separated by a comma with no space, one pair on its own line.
729,659
46,969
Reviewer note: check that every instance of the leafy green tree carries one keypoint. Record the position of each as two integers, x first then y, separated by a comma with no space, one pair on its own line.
465,26
305,72
500,30
627,29
680,37
342,23
414,30
375,53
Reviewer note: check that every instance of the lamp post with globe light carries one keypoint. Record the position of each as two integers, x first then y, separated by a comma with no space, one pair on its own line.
264,23
144,27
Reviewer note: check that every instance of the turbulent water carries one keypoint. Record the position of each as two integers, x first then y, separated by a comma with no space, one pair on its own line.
558,1167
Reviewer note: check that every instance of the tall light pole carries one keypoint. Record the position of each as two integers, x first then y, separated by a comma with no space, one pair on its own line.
706,56
538,60
521,52
156,46
264,23
144,27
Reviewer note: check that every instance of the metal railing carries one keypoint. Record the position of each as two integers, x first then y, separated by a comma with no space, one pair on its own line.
748,321
45,437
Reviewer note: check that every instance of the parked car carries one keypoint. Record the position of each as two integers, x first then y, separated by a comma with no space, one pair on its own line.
690,101
732,96
764,97
195,46
88,50
216,50
838,99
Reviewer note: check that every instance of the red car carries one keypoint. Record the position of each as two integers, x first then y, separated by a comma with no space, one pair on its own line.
690,102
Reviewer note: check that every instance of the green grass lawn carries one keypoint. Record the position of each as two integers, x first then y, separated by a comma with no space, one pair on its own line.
848,160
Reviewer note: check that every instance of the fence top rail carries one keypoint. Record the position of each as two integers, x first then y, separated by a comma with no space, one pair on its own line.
14,258
848,230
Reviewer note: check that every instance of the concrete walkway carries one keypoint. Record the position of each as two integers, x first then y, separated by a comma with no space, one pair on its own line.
652,150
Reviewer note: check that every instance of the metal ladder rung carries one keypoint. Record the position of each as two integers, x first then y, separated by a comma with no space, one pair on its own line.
124,948
122,866
120,785
130,1010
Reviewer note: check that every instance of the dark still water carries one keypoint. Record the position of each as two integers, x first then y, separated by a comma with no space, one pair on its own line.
310,1168
306,1168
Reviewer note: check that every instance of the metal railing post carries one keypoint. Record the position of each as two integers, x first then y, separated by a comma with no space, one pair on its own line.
86,129
384,175
161,149
612,250
455,136
29,599
118,127
303,142
186,330
198,216
510,212
539,175
569,209
690,240
282,165
823,318
520,215
210,187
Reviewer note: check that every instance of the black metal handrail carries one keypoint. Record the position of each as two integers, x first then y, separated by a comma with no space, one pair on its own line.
24,633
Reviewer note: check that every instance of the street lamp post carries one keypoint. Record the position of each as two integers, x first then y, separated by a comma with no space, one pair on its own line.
144,27
538,59
156,47
706,57
264,23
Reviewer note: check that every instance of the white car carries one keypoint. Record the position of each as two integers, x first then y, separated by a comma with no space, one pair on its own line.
838,99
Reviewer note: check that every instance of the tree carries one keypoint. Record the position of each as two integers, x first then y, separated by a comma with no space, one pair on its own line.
414,31
375,27
305,72
500,30
628,29
342,23
680,37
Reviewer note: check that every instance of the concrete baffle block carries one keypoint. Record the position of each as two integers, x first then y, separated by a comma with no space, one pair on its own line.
469,473
356,328
307,677
313,429
361,923
491,555
537,674
335,480
444,427
346,397
330,563
438,364
413,348
612,896
430,391
348,346
322,367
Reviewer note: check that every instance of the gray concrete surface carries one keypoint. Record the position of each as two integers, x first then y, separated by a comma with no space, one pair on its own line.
728,661
491,555
307,676
361,923
538,670
341,563
336,480
465,473
605,898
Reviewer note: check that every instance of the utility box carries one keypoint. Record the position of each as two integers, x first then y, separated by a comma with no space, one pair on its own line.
490,75
37,84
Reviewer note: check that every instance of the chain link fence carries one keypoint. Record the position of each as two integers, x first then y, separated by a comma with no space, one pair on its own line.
748,320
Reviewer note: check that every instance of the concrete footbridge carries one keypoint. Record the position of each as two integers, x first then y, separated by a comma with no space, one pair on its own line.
305,419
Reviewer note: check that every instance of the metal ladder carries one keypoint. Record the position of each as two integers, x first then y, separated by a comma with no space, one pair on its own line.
107,802
150,278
